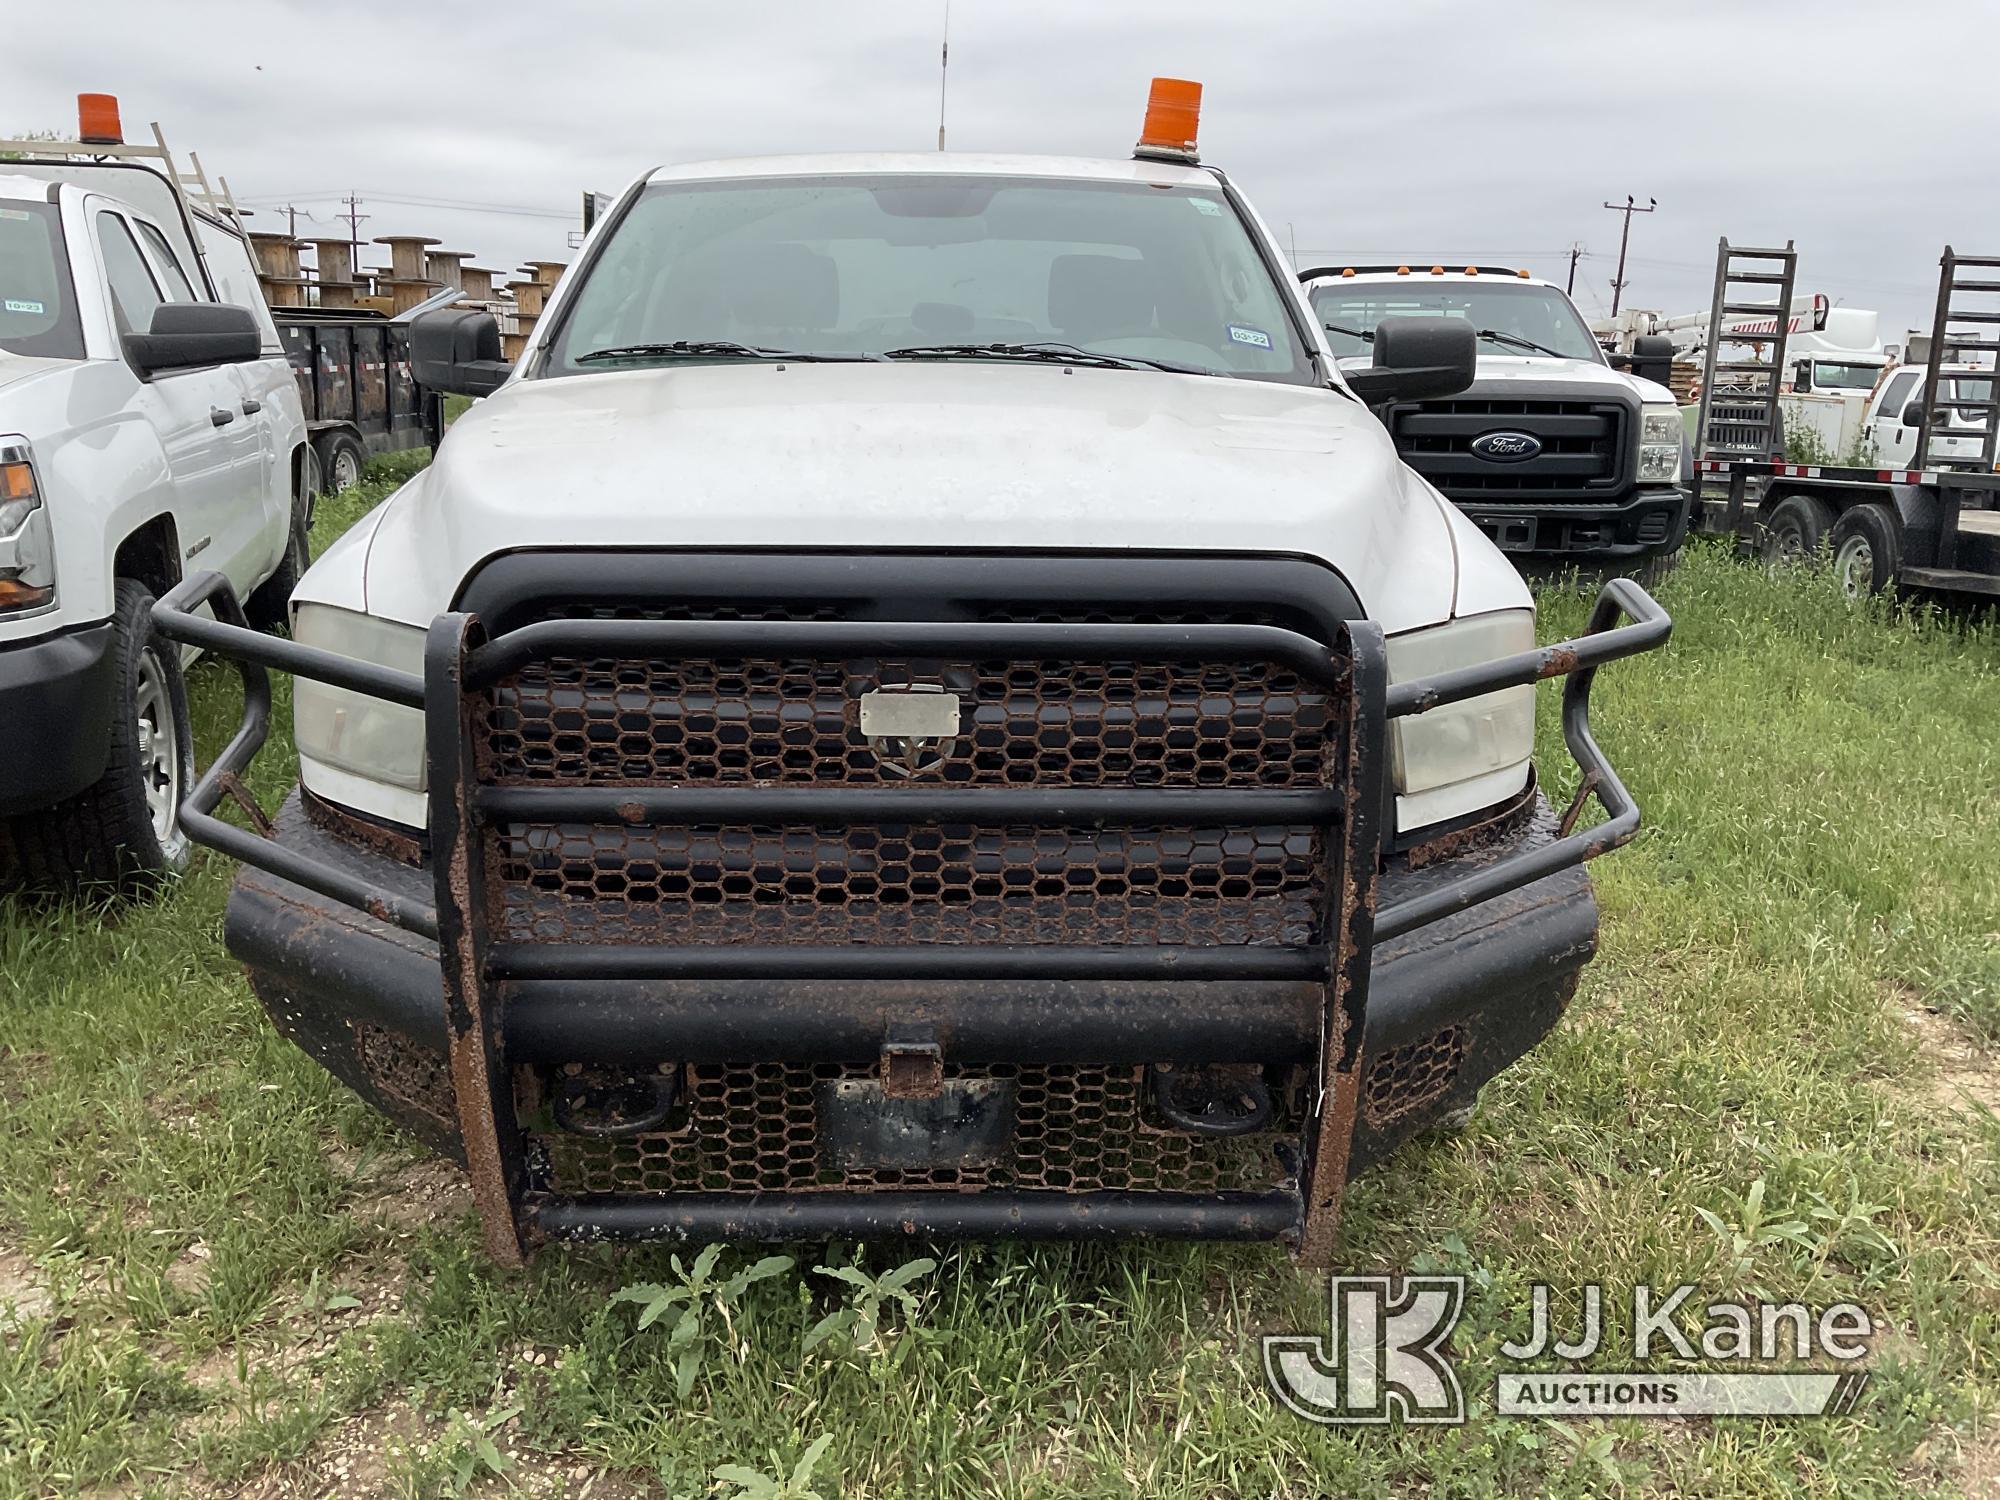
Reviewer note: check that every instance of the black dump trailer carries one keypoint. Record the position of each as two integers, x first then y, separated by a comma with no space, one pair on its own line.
354,377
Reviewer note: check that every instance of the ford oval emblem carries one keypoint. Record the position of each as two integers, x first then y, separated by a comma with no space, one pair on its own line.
1506,447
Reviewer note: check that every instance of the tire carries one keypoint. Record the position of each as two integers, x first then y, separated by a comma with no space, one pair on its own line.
269,604
342,460
120,834
1653,572
1867,550
1796,529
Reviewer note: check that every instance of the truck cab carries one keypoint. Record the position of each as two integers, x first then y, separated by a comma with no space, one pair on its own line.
148,424
1894,415
924,702
1561,458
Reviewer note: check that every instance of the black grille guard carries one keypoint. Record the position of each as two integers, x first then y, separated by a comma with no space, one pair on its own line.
1353,816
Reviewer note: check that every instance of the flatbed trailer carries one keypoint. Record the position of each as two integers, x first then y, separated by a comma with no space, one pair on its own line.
1931,529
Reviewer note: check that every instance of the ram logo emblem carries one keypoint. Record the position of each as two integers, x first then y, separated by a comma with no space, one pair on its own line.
912,730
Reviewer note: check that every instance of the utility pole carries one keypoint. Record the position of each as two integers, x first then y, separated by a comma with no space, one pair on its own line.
354,218
944,68
1627,208
1575,255
291,221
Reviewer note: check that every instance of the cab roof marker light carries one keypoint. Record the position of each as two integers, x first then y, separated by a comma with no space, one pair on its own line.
1173,118
1402,270
1437,270
97,120
1522,273
1347,271
1472,270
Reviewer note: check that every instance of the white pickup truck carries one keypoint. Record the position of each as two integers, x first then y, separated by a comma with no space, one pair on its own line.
149,426
925,702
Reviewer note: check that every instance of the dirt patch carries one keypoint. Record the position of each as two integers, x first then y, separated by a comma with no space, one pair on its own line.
1979,1467
22,1295
1967,1080
429,1191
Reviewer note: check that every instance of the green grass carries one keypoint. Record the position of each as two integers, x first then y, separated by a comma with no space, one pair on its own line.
1799,985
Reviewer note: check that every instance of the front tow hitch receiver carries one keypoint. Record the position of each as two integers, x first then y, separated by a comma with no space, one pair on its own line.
1213,1099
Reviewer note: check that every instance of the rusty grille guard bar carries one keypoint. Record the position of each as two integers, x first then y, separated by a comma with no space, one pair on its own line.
255,655
458,663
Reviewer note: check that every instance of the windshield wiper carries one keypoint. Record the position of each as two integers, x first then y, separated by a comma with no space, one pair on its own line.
1366,335
1516,341
716,348
1045,350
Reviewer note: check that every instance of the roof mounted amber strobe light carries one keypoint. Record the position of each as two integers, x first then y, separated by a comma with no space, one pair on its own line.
97,120
1173,115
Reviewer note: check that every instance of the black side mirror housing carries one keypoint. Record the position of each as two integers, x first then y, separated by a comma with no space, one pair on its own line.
187,335
1417,359
457,350
1653,358
1913,414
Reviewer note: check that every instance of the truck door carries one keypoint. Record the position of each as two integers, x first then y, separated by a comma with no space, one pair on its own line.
211,451
1895,440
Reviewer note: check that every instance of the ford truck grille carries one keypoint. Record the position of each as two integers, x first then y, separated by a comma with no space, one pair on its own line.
1582,458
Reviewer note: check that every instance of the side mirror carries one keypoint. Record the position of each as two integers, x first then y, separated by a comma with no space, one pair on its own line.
457,350
1418,358
1913,414
1653,358
185,335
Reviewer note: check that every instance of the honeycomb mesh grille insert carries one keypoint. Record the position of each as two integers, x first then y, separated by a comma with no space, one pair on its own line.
406,1072
629,722
754,1127
906,883
1406,1078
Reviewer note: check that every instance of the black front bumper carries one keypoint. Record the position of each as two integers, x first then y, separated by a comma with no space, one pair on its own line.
57,697
1188,1006
1479,987
1643,523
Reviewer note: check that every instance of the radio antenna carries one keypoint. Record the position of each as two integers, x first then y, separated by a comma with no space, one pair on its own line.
944,67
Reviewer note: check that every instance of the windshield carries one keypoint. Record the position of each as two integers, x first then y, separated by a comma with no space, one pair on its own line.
37,309
868,266
1827,376
1521,313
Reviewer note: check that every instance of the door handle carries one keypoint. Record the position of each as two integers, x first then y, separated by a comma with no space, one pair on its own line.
251,406
217,417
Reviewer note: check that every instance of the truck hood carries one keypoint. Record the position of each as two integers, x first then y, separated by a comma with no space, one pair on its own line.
1584,378
937,457
19,367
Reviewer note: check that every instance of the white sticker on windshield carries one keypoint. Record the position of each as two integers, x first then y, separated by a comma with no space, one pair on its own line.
16,213
14,304
1207,206
1256,338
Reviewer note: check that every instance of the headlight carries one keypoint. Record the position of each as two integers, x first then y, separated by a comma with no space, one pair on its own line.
366,736
1461,743
1660,434
27,553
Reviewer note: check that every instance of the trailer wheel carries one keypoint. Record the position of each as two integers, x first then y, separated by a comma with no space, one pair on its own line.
342,460
1867,549
1796,529
122,833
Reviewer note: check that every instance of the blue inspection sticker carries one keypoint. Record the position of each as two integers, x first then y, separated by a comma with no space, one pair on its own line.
1256,338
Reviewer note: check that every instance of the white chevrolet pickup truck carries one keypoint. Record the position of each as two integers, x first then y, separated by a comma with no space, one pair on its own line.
149,427
923,703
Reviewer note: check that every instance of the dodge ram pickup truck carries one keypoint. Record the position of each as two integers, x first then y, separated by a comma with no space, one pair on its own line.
149,426
1565,459
923,703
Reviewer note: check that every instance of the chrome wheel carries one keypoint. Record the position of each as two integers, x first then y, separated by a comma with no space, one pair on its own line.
1854,567
158,733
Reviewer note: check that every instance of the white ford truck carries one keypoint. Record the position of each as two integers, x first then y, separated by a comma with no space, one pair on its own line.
923,703
149,427
1566,458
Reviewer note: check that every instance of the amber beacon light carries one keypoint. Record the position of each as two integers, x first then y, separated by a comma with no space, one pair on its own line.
1173,115
97,120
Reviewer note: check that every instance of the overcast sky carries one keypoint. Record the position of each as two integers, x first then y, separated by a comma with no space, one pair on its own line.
1411,129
